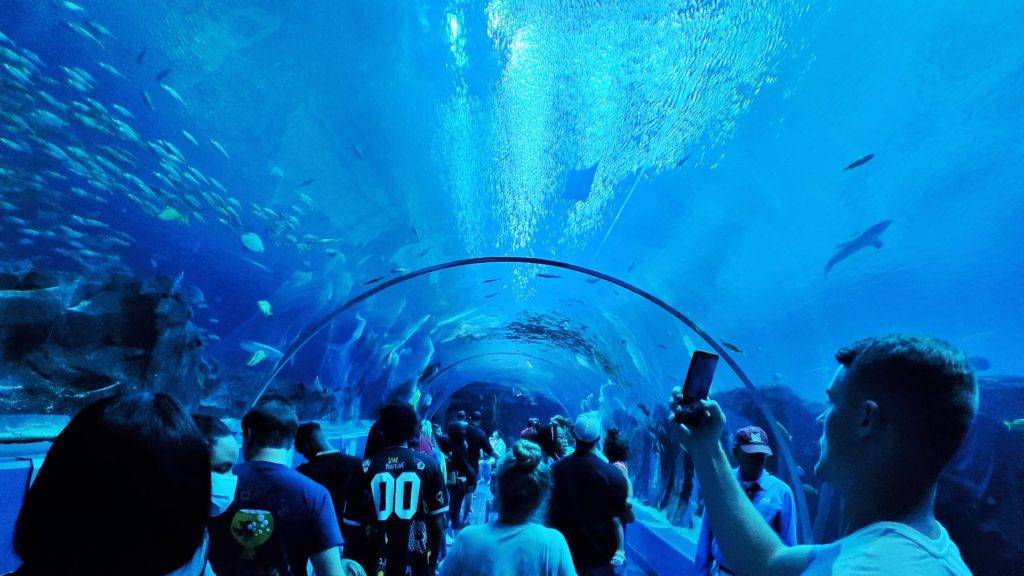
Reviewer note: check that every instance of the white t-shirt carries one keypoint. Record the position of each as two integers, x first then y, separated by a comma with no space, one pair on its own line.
887,548
500,550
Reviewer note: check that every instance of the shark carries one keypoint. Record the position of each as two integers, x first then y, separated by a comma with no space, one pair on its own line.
869,237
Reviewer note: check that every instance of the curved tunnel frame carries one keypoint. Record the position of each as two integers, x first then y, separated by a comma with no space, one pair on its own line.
786,452
448,394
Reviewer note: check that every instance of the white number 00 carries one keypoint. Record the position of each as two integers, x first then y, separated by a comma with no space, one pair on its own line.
389,494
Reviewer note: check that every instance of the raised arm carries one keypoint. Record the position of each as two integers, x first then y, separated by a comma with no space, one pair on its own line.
703,559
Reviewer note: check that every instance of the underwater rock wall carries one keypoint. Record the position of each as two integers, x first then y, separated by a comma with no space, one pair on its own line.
68,338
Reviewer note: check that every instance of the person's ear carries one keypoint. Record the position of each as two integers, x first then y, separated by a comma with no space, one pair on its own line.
870,418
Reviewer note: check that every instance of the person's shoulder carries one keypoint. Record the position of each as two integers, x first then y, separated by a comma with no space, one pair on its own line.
342,459
296,480
306,468
776,483
544,534
888,547
475,531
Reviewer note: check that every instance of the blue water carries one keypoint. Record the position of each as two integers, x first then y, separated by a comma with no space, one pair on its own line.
693,149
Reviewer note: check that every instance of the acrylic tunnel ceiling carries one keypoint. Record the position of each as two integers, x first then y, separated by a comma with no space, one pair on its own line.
790,175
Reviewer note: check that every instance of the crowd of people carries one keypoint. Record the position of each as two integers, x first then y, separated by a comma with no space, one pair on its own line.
136,485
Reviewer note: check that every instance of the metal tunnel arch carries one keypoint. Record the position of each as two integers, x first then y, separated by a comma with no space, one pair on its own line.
450,392
784,449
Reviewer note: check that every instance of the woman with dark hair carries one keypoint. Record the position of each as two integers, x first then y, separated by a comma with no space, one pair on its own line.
514,545
125,489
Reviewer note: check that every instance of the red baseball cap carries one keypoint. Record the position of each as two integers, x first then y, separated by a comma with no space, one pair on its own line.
752,440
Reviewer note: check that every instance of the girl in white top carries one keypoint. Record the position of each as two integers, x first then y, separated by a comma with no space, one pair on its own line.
513,545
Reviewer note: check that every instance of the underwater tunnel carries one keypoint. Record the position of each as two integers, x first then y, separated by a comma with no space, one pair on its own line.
528,208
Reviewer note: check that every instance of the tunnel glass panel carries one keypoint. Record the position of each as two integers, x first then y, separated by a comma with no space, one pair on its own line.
188,190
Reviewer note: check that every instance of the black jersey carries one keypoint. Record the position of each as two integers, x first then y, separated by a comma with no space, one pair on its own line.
396,498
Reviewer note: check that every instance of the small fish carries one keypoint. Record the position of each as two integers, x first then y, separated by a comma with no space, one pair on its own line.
147,100
683,161
357,151
305,183
492,295
1014,425
277,171
252,242
800,471
398,270
859,162
110,69
662,346
84,33
810,489
632,266
141,56
644,409
489,280
217,146
373,281
188,136
123,111
331,252
260,352
256,264
73,7
549,276
424,252
593,280
100,29
174,93
264,307
162,74
171,214
732,347
257,357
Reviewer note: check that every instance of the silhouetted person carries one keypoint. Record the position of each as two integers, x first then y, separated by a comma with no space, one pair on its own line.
898,409
124,490
477,442
772,497
400,500
328,467
461,464
616,450
588,501
280,519
514,545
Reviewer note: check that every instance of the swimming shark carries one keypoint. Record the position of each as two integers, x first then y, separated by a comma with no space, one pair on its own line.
869,237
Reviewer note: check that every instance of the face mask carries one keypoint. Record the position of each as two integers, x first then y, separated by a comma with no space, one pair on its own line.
222,492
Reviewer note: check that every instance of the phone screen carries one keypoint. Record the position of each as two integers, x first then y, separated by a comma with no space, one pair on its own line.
698,377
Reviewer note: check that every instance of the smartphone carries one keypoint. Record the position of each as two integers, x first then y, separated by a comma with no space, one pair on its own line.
697,384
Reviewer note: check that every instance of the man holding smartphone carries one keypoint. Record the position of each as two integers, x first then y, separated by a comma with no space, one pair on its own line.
899,408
